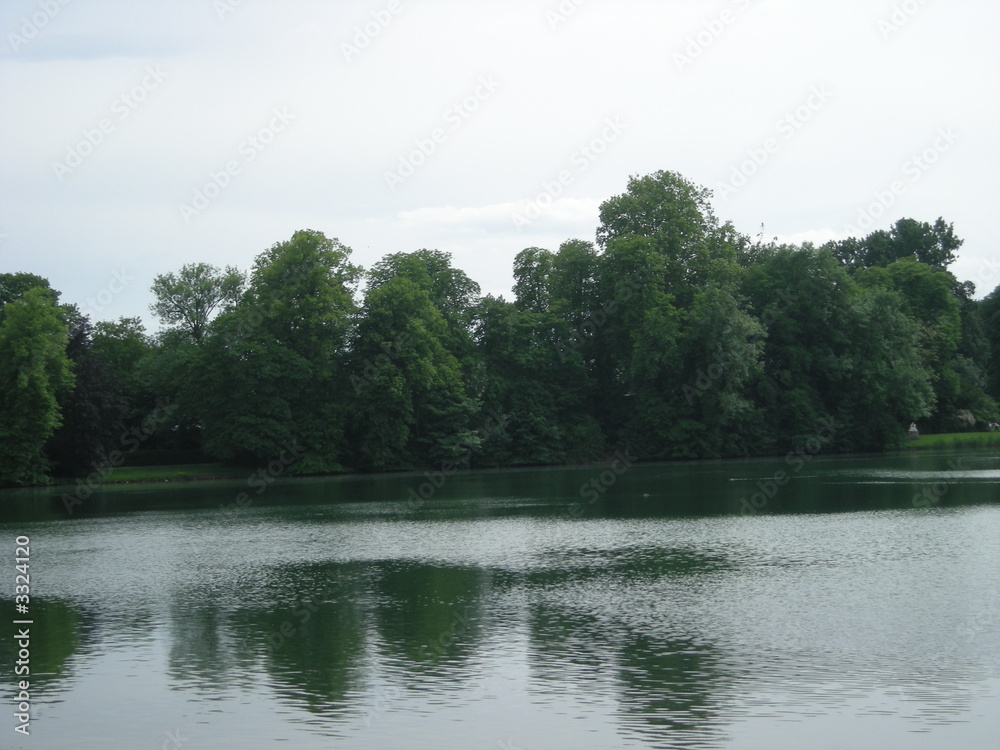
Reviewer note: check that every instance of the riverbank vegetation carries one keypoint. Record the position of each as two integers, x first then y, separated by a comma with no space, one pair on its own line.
956,440
674,336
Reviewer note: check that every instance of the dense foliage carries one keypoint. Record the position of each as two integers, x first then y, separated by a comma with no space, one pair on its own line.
673,337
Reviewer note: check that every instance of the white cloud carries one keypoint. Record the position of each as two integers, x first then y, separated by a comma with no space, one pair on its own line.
815,236
357,118
562,211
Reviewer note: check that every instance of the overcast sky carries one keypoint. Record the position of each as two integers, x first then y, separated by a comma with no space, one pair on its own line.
139,136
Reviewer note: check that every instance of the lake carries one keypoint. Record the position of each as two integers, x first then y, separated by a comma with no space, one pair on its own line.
850,602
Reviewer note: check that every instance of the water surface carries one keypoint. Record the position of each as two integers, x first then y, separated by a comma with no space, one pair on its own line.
856,605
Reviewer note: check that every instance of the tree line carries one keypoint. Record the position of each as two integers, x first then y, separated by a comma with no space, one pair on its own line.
672,337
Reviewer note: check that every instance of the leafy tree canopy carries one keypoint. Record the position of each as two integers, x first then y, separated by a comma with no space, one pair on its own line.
932,244
188,298
34,369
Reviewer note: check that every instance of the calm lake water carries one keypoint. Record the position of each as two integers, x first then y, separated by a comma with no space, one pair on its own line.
857,607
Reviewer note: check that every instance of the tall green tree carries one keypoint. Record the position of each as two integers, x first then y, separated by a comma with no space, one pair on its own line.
34,368
532,279
933,299
932,244
410,401
837,348
121,345
450,290
92,409
14,285
803,298
686,315
573,282
165,381
989,312
538,355
889,385
187,299
537,377
129,354
272,370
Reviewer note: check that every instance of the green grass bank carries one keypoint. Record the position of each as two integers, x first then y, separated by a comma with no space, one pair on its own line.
955,440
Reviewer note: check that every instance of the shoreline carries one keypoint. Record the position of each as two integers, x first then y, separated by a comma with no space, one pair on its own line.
208,472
